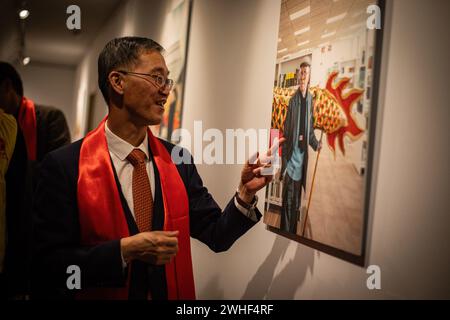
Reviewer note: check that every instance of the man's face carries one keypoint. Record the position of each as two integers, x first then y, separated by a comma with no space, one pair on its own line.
304,76
142,97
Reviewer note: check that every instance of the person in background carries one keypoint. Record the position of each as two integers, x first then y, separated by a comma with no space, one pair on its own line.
41,129
8,132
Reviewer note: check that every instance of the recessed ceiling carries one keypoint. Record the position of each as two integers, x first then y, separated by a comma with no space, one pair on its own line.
47,38
310,23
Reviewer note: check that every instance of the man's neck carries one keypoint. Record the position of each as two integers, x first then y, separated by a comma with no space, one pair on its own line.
126,130
303,91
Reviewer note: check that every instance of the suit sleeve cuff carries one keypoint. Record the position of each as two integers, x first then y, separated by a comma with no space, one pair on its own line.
251,214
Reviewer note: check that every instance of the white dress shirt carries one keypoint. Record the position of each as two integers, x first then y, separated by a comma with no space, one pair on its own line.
119,149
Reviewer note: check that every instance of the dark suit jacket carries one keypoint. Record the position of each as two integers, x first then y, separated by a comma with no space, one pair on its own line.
57,230
52,133
290,130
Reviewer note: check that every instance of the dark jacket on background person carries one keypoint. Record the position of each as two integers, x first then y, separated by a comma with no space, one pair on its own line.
52,132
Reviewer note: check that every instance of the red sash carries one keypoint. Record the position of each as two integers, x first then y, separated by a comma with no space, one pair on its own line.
27,123
102,217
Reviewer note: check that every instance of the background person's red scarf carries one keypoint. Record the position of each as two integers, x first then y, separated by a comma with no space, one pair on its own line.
27,123
102,217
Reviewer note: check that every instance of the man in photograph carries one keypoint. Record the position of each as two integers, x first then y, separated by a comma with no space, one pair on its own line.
299,133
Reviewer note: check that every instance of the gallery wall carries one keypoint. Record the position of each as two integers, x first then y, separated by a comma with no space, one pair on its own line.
131,18
229,82
50,85
230,73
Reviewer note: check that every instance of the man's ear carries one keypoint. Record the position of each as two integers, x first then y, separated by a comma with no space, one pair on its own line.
116,82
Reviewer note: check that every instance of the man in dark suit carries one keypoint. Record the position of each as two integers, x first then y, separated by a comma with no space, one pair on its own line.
41,129
299,133
118,207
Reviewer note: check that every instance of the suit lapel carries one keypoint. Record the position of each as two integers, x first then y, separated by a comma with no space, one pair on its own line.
132,226
158,206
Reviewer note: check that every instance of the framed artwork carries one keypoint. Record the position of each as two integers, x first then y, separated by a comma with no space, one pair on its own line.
175,39
325,105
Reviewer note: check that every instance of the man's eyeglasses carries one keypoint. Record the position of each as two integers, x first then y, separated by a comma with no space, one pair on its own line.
158,79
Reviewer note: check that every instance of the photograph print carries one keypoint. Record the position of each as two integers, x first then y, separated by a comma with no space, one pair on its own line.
324,105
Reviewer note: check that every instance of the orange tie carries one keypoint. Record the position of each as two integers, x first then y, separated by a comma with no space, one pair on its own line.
142,191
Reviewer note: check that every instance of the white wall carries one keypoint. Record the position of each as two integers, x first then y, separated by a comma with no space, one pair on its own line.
131,18
229,81
50,85
86,74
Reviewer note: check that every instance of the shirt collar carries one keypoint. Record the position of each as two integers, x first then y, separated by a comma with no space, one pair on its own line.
122,148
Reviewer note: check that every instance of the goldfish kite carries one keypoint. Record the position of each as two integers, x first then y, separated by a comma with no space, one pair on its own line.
333,111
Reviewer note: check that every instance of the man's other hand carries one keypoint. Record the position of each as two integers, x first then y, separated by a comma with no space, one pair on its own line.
153,247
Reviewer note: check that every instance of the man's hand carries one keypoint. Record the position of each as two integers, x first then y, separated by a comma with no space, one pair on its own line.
252,178
154,247
278,175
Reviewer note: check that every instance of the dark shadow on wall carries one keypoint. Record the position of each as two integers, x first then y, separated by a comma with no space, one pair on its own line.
284,285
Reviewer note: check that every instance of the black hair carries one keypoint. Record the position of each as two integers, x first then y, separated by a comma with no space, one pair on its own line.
7,71
121,52
305,64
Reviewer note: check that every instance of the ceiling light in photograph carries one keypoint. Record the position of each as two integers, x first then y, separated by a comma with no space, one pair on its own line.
337,18
329,34
303,43
300,13
23,14
304,30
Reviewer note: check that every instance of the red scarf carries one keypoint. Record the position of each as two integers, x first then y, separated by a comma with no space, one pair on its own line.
102,217
27,123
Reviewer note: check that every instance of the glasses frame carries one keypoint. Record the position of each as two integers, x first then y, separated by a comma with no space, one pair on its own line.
158,80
